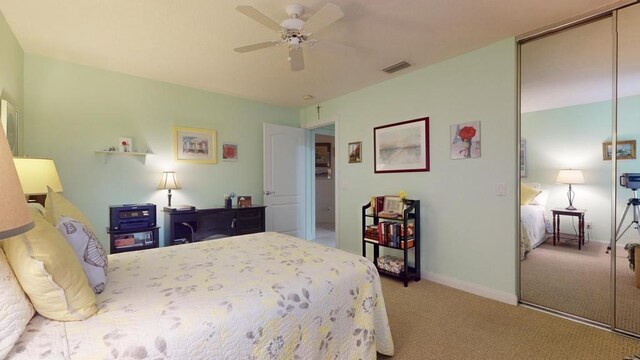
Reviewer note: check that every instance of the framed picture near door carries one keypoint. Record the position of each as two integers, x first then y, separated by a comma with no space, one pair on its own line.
9,120
323,155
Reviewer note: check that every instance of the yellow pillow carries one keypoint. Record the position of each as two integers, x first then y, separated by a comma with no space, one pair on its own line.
49,273
56,206
527,193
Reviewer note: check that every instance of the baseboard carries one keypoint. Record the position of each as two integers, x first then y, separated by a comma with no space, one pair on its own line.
472,288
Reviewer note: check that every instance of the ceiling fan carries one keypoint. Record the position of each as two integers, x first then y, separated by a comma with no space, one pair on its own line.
295,32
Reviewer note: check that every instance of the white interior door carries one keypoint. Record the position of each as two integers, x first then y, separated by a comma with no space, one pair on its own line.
284,179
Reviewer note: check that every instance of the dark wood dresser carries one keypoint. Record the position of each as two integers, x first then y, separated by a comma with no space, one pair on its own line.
205,224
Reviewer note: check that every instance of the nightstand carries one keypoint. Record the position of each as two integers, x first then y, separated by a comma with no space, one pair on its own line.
556,225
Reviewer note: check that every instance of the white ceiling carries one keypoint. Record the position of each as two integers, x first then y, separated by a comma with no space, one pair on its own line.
191,42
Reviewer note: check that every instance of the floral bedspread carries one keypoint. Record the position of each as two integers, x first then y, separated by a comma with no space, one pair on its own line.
258,296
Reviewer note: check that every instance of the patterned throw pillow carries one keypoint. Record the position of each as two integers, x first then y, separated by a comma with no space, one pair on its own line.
15,308
88,249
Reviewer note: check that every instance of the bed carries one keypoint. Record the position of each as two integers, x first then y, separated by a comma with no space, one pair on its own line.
533,221
258,296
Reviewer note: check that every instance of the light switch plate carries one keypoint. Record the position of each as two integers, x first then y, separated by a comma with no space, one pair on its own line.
501,189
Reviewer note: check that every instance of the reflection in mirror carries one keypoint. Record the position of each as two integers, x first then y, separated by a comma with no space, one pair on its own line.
566,112
628,280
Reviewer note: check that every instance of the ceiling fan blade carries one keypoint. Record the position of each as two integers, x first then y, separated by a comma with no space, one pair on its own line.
256,15
329,14
258,46
332,47
296,59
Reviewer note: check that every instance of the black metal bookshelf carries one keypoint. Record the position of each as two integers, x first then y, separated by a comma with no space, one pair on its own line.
411,214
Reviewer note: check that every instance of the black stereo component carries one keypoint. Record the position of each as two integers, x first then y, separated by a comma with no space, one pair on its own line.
132,216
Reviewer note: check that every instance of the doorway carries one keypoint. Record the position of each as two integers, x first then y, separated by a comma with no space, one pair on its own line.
325,185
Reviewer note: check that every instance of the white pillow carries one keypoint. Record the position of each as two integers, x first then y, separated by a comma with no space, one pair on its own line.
15,308
541,199
88,250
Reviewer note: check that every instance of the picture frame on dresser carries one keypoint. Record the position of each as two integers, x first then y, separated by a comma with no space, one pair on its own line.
194,145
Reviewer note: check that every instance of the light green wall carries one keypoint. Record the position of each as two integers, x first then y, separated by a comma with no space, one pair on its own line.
468,233
73,110
11,71
572,137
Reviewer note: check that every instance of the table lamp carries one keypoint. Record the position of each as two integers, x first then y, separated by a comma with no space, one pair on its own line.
15,218
169,182
570,176
36,175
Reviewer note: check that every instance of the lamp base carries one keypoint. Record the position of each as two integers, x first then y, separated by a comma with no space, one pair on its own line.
571,207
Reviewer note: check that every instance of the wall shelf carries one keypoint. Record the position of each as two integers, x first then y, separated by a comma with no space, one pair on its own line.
122,153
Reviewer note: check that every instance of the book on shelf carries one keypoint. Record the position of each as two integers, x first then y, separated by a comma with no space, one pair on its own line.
390,214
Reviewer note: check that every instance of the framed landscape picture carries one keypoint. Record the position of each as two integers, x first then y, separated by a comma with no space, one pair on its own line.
194,145
402,147
625,150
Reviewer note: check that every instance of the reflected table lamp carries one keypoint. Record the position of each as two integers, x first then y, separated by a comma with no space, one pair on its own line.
169,181
570,177
15,218
36,175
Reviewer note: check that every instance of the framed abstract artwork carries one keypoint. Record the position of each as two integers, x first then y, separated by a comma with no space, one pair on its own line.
194,145
229,152
402,146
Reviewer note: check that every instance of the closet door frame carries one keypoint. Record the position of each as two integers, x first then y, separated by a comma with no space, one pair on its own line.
610,10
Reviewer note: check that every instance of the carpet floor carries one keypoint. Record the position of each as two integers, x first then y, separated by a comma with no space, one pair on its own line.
577,282
432,321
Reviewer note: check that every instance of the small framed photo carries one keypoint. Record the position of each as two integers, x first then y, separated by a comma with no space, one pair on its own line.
244,201
125,144
355,152
229,152
194,145
626,150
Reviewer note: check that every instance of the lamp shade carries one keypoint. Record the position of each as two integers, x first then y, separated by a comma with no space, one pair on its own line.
14,214
36,174
169,181
570,176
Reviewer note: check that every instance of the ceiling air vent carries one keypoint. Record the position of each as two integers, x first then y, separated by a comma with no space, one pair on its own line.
396,67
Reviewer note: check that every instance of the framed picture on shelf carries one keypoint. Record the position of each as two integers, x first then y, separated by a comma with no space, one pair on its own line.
194,145
323,155
626,150
9,119
355,152
244,201
401,147
393,204
229,152
125,144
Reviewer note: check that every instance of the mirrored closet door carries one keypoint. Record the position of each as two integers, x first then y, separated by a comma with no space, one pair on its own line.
580,92
627,290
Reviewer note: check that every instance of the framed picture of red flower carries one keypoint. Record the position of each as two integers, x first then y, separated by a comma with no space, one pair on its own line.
229,152
465,140
401,147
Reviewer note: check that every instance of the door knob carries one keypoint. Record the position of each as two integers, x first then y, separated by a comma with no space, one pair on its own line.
269,192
